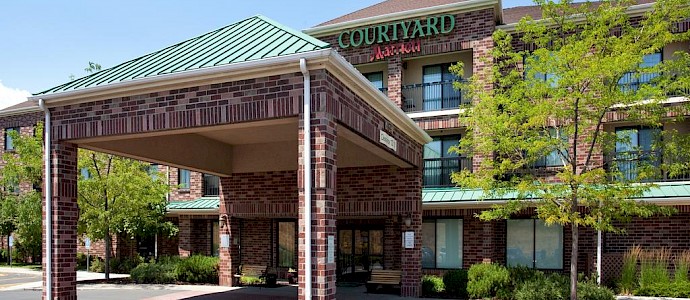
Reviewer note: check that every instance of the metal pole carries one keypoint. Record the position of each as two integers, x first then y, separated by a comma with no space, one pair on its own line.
88,257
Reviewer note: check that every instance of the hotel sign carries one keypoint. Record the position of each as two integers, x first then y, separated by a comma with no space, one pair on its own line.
388,140
396,31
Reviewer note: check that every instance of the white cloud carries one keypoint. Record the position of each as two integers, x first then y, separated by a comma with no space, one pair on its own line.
11,96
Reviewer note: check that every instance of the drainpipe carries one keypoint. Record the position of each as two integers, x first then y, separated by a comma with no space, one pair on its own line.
306,156
599,246
49,197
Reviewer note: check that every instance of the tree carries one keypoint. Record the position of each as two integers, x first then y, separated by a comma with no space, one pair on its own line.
20,211
555,101
120,196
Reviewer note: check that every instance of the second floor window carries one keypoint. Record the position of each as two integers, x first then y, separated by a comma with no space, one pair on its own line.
9,142
634,149
631,81
439,164
183,179
211,185
554,158
438,93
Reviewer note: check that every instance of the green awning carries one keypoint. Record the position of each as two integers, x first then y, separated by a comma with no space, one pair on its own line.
201,203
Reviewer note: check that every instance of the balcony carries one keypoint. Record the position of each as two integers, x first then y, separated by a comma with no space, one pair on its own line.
431,97
629,165
211,185
437,170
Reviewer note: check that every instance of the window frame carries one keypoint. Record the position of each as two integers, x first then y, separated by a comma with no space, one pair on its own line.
443,164
295,242
179,179
652,155
8,137
633,82
383,82
545,158
534,246
204,185
435,250
442,97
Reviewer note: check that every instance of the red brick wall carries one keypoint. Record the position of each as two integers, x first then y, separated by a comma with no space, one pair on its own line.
195,190
255,242
262,195
360,191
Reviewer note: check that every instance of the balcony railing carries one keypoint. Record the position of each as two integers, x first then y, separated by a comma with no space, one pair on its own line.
631,82
431,97
631,163
437,170
211,185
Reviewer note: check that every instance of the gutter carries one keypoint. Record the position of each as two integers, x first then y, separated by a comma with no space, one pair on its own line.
446,8
48,182
20,111
488,203
192,211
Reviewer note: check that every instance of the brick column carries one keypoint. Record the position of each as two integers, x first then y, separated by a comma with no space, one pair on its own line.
324,209
229,256
395,71
65,215
185,236
481,66
411,259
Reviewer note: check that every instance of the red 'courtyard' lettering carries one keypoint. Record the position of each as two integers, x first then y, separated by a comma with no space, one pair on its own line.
381,52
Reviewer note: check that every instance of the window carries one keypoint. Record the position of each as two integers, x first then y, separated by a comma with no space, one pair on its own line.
9,143
439,163
12,187
553,159
439,93
183,179
533,244
153,171
551,78
376,78
634,149
631,81
85,174
442,243
215,238
286,244
211,185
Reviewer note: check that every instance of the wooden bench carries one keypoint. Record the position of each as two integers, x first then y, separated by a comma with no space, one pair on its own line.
251,270
385,278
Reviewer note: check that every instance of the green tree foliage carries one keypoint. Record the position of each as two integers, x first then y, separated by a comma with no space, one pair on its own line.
555,100
120,196
21,212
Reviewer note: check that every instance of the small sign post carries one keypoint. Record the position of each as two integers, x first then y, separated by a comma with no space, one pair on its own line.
10,243
87,245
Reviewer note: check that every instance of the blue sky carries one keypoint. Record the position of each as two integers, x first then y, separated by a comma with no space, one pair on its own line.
43,42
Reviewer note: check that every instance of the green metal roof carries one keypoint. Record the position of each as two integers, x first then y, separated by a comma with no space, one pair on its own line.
456,194
201,203
254,38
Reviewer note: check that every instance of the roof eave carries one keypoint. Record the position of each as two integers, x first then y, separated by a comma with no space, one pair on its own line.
324,30
662,201
19,111
633,10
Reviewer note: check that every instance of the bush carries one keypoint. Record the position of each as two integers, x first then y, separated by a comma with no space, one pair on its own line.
654,267
455,283
679,289
488,281
628,280
125,265
432,285
591,291
543,288
97,265
250,280
198,269
155,273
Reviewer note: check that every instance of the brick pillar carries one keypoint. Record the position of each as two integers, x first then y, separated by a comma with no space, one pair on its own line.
481,66
391,243
395,71
411,259
324,206
229,256
185,236
65,215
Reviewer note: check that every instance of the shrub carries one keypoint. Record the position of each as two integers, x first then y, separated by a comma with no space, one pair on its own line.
487,281
432,285
81,261
682,264
654,267
455,283
198,269
628,279
591,291
679,289
249,280
155,273
97,265
124,265
543,288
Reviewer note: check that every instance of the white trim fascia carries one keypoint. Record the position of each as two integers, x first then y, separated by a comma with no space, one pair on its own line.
436,113
227,71
670,100
633,10
488,203
176,212
20,111
320,31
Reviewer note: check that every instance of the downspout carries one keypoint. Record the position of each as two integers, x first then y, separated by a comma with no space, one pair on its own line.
599,248
306,156
49,197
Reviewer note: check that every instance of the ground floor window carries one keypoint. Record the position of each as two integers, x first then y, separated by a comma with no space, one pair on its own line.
215,238
534,244
286,244
442,243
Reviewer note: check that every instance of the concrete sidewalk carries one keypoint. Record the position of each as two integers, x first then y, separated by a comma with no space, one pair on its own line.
82,276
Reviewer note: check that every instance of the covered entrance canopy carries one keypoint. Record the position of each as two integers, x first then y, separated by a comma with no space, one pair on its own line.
230,103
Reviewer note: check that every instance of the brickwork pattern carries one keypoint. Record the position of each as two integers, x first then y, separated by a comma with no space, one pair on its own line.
360,194
195,190
255,242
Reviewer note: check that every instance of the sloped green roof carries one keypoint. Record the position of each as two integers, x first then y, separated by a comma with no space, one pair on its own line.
456,194
201,203
254,38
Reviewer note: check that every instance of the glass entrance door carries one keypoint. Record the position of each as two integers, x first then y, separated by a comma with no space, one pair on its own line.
359,251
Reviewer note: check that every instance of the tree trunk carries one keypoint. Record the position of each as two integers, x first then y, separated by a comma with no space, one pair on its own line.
108,239
574,250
